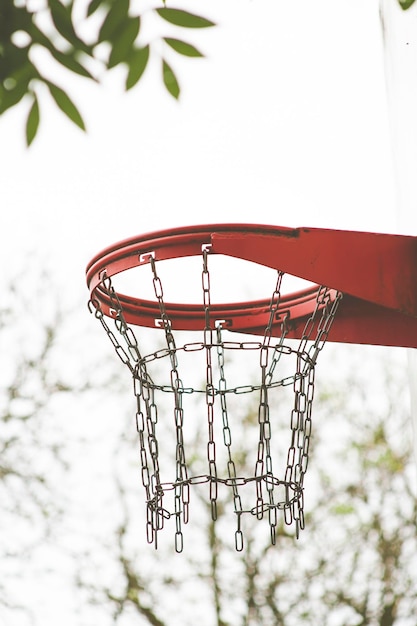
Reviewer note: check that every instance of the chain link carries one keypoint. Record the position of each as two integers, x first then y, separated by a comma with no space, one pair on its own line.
268,488
264,459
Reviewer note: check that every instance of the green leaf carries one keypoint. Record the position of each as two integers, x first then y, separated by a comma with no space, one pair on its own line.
15,85
183,18
62,19
10,97
117,15
93,6
12,59
32,123
123,42
405,4
68,61
137,65
183,48
170,80
66,105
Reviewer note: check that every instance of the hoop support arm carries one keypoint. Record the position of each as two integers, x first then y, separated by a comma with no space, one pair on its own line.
377,273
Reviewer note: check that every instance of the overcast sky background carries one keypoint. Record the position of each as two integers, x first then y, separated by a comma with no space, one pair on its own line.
285,122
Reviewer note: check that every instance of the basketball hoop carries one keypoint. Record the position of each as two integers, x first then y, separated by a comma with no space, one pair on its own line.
365,314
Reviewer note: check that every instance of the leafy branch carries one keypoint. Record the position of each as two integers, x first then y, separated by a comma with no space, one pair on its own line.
406,4
22,31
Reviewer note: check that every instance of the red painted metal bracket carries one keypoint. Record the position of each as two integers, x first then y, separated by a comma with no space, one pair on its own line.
377,273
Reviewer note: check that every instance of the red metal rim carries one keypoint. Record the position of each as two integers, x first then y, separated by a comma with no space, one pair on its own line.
184,242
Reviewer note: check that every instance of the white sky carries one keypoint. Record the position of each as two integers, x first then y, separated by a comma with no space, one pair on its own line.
284,123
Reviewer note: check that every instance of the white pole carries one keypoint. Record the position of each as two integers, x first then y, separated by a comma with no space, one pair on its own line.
400,55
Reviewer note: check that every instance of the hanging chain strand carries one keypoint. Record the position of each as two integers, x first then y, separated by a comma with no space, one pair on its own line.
263,465
182,491
271,349
297,459
227,438
210,390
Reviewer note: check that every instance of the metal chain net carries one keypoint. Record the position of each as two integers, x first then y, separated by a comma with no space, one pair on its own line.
272,494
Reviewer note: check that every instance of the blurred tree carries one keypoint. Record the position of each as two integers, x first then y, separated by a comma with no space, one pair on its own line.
113,38
35,387
366,573
354,564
